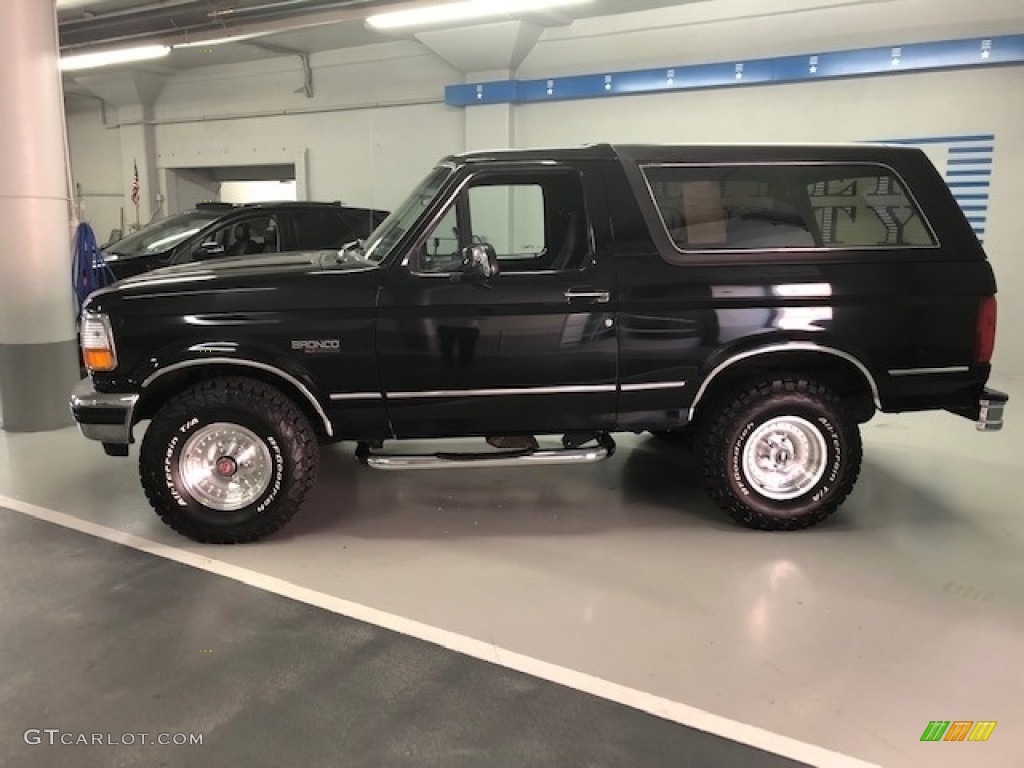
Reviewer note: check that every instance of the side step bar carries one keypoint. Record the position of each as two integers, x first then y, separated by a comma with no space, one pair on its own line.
604,449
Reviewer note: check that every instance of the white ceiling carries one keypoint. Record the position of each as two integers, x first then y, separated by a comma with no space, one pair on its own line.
301,26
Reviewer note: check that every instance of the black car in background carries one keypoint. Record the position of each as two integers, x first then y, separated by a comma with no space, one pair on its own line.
214,230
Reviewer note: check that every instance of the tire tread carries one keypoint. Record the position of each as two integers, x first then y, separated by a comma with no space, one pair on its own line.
300,445
712,442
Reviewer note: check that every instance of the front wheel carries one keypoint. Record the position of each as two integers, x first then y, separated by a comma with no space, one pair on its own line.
780,454
228,461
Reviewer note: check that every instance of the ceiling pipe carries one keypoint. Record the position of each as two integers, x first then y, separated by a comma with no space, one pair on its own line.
136,10
281,50
197,34
184,21
214,118
71,5
285,6
150,21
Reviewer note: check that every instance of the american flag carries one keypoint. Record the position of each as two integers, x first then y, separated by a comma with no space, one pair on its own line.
135,183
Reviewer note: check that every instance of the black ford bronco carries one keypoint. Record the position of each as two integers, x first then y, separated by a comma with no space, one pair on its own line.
762,300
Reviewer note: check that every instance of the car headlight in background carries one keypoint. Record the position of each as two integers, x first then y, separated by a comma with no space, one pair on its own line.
98,351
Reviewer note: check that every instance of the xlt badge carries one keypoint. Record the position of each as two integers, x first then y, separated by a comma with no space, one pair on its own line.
317,346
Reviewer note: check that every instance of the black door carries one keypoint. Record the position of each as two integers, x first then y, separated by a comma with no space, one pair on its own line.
532,349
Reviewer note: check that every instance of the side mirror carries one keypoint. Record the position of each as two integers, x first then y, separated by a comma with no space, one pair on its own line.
479,262
209,249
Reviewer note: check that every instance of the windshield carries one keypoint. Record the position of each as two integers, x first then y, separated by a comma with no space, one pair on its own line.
383,239
164,234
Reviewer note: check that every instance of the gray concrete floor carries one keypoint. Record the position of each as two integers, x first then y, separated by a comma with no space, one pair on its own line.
906,607
107,640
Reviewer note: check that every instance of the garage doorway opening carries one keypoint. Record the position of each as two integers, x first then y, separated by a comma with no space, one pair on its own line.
241,192
187,187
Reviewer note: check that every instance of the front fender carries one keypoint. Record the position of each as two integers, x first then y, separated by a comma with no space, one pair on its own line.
148,375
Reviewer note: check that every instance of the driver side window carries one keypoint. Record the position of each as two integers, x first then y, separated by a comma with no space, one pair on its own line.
534,223
441,252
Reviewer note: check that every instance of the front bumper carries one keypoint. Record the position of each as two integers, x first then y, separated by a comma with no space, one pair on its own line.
106,417
991,406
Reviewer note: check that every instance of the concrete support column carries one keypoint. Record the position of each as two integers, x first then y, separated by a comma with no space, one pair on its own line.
38,360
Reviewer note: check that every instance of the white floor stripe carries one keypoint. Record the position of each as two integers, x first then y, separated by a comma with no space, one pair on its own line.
666,709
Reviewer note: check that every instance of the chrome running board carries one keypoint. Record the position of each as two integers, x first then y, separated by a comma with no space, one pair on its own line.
565,457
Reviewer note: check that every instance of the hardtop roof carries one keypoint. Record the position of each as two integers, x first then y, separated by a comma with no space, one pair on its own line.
687,153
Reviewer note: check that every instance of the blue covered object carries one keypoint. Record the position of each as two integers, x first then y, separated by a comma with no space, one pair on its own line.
89,271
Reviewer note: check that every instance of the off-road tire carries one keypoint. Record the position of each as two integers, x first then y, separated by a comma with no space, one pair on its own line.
266,413
730,421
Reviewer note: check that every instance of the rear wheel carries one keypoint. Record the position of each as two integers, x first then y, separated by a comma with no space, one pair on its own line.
228,461
779,454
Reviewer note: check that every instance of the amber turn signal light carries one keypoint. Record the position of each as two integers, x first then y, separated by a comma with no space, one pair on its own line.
99,359
98,352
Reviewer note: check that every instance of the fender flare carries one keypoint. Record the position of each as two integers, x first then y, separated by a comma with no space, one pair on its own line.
792,346
242,362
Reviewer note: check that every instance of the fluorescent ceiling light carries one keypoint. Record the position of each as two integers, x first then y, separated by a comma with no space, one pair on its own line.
105,58
221,40
463,11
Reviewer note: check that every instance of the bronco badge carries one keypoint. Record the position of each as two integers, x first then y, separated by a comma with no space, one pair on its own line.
317,346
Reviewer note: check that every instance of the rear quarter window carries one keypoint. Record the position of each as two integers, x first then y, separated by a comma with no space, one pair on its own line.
786,207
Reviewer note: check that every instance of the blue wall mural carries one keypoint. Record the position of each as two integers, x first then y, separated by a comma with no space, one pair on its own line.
967,163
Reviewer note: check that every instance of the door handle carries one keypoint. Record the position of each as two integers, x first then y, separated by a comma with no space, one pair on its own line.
599,297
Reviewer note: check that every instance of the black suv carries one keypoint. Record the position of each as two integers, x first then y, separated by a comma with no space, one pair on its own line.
762,300
213,230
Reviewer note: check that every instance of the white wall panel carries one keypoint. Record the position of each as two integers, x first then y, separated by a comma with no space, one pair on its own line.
96,167
376,124
727,30
373,128
365,158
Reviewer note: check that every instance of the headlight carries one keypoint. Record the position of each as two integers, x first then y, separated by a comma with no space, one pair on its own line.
98,351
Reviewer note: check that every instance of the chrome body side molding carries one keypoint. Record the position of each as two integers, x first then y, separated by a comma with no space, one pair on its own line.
928,371
328,427
793,346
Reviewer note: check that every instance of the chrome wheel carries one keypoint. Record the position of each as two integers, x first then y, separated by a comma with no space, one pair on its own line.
785,457
225,467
